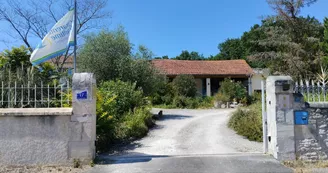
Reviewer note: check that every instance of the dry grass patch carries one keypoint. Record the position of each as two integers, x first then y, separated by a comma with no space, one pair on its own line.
301,166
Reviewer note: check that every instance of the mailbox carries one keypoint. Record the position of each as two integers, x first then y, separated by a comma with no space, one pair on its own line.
283,86
301,117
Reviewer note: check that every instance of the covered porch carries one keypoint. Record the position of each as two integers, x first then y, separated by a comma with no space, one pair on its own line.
210,85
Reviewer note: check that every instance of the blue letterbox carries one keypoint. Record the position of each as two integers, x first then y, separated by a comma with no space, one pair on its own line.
301,117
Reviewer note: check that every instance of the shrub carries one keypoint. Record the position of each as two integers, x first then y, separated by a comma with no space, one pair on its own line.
127,96
222,98
190,103
164,95
248,122
179,102
133,125
205,102
233,90
255,97
137,123
121,114
181,93
185,85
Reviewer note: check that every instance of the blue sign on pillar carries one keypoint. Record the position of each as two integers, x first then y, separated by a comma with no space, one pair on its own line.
301,117
83,95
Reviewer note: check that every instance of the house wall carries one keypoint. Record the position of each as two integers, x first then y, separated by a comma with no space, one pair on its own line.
257,77
256,82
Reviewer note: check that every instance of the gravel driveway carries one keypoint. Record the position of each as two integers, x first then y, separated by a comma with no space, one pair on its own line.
187,141
185,132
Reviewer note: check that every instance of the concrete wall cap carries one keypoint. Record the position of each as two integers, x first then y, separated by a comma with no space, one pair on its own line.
318,105
275,78
36,112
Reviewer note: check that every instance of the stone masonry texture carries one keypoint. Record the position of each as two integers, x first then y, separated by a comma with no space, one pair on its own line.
312,139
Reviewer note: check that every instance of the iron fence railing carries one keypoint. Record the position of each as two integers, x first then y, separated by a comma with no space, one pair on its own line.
312,91
15,94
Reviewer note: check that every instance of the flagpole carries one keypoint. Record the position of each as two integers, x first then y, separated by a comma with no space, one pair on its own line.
75,30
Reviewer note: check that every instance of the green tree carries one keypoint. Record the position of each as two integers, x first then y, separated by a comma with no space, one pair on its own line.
185,85
15,58
105,53
163,57
109,56
242,48
144,53
250,42
324,43
292,42
231,49
17,61
15,69
185,55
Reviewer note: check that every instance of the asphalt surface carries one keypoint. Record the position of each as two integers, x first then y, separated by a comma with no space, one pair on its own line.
190,141
192,164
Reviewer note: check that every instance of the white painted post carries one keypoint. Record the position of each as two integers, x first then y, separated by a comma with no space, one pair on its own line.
264,120
208,87
280,117
250,89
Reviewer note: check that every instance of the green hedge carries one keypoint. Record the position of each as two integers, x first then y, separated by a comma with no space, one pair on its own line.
248,122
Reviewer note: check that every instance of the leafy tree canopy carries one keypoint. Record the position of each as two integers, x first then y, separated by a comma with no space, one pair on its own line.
185,55
109,55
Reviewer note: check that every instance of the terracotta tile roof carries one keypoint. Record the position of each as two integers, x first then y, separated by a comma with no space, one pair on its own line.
221,67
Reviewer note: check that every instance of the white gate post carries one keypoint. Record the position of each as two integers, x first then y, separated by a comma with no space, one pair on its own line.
84,117
264,120
280,113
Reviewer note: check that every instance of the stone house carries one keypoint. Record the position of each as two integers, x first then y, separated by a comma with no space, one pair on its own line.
208,74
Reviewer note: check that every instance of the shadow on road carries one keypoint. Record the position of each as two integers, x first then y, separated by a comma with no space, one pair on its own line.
131,158
173,117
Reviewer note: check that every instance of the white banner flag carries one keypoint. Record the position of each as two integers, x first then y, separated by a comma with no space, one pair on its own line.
57,41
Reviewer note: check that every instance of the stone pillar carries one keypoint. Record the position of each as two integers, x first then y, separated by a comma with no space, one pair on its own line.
280,117
83,121
208,87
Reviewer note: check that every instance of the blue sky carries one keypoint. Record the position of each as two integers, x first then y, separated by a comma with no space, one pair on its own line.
170,26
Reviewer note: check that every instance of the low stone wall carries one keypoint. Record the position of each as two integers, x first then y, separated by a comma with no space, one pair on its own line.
312,139
44,136
52,136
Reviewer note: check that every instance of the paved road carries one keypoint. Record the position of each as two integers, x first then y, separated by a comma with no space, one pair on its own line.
190,141
250,163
